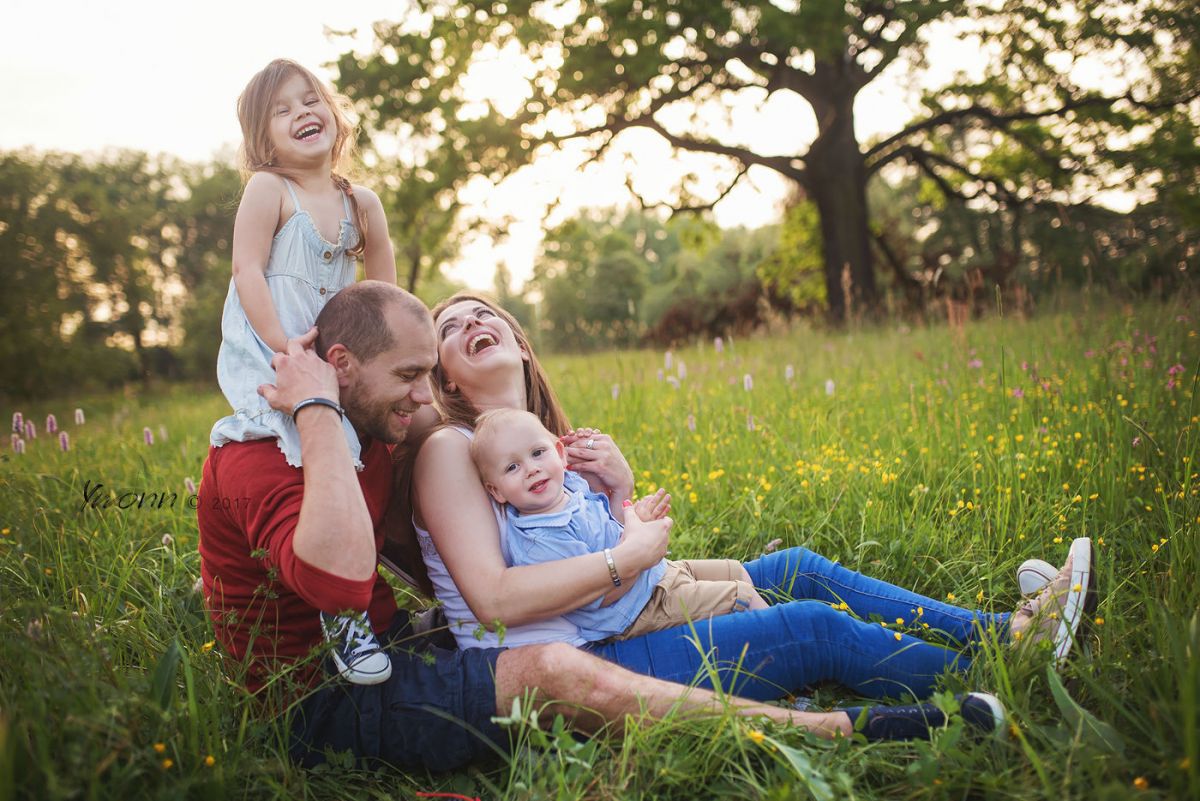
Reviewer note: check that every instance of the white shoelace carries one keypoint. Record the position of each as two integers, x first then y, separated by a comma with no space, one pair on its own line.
362,638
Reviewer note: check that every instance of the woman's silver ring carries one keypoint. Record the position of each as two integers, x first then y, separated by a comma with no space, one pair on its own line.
590,445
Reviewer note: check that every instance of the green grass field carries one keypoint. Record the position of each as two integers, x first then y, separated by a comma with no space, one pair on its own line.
932,458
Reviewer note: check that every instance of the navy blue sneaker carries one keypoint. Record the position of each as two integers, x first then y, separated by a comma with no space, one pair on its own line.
358,655
982,712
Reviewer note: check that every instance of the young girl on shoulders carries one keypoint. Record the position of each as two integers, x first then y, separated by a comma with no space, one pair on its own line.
300,230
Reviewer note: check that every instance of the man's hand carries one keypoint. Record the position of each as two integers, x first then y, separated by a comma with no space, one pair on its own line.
653,507
300,374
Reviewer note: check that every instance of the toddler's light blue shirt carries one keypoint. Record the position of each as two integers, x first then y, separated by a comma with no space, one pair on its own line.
585,526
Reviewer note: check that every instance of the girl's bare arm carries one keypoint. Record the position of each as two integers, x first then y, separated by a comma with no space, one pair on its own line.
379,258
257,219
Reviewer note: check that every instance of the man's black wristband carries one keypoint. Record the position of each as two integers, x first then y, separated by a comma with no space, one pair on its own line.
318,402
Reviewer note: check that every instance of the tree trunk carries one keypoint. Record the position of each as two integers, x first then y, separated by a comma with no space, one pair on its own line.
837,184
414,267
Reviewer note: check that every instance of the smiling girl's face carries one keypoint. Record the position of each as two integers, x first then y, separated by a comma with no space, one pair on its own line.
302,129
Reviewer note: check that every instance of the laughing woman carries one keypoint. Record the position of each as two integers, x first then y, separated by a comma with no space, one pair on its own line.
486,362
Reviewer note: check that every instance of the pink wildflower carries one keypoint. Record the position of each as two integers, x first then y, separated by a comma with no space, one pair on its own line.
789,373
747,382
682,371
15,439
1175,369
660,374
30,430
148,435
79,420
1136,441
64,442
1018,392
691,422
1088,354
673,381
772,545
18,422
749,422
829,386
975,364
19,446
189,485
616,391
51,424
718,345
668,360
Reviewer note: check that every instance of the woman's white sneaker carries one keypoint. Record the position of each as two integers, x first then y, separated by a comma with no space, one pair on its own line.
1033,574
1055,613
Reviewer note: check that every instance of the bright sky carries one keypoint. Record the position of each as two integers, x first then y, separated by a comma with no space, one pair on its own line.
164,77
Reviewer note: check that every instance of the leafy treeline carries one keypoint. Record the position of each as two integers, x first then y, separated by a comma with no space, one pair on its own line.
116,266
107,262
609,280
1032,127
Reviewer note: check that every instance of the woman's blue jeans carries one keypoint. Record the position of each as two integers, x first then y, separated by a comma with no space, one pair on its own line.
771,653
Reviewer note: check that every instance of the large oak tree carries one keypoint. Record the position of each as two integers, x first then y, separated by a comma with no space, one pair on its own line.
1028,128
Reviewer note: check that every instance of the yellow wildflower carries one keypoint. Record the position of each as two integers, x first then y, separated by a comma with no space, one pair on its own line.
756,736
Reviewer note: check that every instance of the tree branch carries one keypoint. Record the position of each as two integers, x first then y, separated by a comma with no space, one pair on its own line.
781,164
802,83
925,161
684,209
1000,120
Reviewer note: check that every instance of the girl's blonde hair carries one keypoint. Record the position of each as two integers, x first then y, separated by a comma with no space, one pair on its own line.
254,107
540,399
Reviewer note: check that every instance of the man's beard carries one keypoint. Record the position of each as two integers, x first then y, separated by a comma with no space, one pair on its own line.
371,417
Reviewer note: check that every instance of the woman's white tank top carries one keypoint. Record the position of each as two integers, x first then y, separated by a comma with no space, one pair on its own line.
466,629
